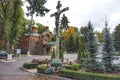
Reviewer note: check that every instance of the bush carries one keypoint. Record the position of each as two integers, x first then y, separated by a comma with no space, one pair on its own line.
42,62
41,69
37,61
30,65
86,75
56,64
75,66
68,67
48,71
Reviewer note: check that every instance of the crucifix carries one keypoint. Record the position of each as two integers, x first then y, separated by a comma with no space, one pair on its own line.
57,20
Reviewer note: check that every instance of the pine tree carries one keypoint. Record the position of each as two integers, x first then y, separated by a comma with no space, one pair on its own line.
108,49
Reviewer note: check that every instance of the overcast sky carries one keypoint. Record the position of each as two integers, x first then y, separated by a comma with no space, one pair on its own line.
81,11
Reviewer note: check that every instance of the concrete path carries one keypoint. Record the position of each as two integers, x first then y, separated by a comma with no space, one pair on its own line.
12,70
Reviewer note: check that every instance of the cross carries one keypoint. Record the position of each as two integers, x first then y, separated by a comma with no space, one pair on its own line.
57,15
57,18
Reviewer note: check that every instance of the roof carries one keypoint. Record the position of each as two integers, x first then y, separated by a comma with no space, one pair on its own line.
33,34
35,26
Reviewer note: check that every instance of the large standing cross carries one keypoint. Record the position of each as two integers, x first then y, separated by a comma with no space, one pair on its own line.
57,20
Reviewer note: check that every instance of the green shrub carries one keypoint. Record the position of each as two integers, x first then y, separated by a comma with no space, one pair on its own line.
41,69
56,64
30,65
48,71
75,66
68,67
86,75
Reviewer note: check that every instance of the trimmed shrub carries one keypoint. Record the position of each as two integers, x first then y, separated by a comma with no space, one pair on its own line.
41,69
86,75
56,64
75,66
68,67
48,71
30,65
37,61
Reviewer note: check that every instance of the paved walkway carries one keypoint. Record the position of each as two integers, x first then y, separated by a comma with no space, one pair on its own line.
12,70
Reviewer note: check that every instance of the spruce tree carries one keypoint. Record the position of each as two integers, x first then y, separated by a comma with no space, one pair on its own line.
90,63
117,37
108,49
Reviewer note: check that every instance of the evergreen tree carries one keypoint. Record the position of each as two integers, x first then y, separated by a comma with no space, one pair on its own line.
64,22
70,44
81,53
53,56
117,37
61,55
83,35
64,26
90,63
108,49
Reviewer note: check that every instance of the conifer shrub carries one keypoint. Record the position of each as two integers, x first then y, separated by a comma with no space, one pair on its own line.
56,64
61,55
48,71
53,56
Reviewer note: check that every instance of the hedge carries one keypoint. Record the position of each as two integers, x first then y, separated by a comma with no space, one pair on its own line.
41,69
86,75
73,66
30,65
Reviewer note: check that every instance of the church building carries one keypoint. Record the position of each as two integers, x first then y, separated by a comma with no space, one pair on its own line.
39,43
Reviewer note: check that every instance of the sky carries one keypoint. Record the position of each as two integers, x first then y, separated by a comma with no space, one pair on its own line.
81,11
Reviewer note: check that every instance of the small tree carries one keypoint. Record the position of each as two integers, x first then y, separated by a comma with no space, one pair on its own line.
108,49
61,55
91,64
81,57
53,56
70,44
